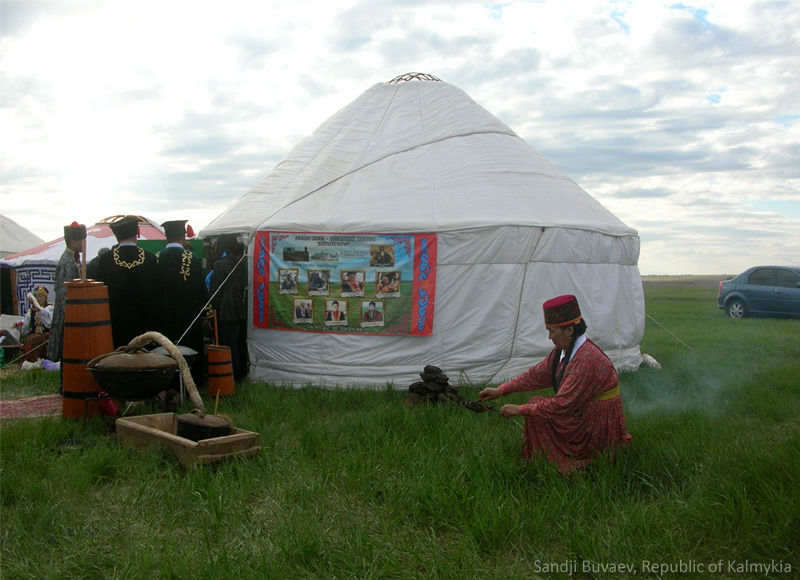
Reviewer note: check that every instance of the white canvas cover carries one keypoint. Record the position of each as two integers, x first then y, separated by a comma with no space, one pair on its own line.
512,232
15,238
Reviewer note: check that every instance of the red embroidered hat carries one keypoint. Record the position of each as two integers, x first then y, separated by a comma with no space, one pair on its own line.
561,311
74,231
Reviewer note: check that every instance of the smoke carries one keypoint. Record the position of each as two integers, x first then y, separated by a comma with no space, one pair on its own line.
691,383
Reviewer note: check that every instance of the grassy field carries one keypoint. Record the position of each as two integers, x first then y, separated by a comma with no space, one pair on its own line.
353,484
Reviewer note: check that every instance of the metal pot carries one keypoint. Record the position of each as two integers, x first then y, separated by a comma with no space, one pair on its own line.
196,427
137,375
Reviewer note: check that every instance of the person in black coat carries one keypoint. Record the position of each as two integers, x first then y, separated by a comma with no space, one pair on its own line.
91,265
229,301
134,286
183,294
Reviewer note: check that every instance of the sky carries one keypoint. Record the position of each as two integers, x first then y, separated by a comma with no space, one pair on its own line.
682,118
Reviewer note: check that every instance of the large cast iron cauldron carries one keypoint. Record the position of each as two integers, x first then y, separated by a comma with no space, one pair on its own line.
133,375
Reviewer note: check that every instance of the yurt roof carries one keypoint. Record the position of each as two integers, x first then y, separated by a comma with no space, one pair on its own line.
97,236
15,238
414,157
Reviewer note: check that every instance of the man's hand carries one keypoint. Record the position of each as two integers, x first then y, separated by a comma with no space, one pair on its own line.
489,393
510,410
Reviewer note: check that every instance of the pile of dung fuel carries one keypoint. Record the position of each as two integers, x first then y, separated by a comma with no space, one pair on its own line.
435,387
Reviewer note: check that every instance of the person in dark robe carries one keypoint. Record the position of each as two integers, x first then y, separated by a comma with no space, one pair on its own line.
585,418
91,265
183,294
66,271
229,282
134,286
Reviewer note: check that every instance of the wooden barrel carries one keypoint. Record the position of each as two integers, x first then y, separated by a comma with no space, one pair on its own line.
87,334
220,370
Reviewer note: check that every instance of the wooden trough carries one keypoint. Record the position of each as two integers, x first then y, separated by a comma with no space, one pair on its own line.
161,430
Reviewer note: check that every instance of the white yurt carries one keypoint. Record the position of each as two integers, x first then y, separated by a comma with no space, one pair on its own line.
15,238
416,201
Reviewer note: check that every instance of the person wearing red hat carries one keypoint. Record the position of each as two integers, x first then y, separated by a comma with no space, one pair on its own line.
66,271
584,419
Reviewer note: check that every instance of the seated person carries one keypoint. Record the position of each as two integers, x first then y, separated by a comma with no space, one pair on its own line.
585,418
35,331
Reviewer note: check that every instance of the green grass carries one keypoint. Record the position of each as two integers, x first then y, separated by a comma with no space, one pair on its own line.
354,484
15,383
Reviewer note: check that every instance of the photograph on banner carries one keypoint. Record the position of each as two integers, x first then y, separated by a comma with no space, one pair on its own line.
381,256
318,281
372,313
298,276
335,313
288,277
352,284
303,311
387,284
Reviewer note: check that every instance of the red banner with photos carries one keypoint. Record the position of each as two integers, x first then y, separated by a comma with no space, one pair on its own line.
345,282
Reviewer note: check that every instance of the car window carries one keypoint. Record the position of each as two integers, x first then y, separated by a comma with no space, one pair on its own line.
762,277
787,279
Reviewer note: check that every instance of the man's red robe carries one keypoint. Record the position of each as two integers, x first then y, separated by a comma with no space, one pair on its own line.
571,428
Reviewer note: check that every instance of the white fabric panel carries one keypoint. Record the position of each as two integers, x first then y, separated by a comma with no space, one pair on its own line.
476,306
460,183
498,245
570,245
610,297
331,359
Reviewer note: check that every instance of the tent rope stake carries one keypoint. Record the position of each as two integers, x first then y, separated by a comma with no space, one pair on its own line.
668,332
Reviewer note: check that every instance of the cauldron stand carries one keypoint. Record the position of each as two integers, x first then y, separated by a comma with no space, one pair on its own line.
128,391
188,355
131,401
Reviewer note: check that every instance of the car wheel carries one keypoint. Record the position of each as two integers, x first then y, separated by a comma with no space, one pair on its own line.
736,309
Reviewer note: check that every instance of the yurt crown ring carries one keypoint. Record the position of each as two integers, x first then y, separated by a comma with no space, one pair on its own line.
413,76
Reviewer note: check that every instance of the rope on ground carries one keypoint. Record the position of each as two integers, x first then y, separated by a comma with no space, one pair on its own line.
669,332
